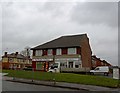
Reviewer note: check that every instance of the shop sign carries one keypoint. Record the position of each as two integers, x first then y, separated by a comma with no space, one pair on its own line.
42,59
67,59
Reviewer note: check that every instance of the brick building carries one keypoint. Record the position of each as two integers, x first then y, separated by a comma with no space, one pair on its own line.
98,62
71,51
15,60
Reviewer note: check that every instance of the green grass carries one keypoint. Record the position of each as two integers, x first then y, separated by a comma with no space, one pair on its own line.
65,77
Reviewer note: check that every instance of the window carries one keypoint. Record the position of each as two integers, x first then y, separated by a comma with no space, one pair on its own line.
10,59
49,51
93,62
58,52
71,50
40,65
55,65
63,64
38,53
96,68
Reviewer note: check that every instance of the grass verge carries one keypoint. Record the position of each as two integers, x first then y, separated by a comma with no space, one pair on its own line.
65,77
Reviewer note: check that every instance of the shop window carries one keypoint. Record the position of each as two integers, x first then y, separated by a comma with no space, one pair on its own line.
40,65
70,64
76,66
71,50
63,64
77,63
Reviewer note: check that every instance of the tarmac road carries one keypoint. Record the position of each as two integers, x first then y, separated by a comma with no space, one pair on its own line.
15,86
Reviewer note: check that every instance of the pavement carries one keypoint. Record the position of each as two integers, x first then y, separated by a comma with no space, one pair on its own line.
61,84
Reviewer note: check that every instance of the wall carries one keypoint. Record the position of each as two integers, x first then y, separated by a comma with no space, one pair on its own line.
86,53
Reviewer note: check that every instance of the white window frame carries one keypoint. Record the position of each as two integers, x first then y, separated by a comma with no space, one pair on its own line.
38,53
58,51
71,51
49,52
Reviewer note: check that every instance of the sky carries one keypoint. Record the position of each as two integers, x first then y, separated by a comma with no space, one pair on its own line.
34,23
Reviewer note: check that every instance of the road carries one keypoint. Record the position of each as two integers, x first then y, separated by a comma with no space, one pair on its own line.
15,86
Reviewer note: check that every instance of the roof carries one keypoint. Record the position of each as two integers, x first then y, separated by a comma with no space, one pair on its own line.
13,55
63,41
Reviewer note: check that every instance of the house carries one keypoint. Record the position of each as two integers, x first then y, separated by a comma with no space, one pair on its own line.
15,60
105,63
72,51
98,62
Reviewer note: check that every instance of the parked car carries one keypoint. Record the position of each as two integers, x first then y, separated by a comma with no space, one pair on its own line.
55,67
101,70
29,68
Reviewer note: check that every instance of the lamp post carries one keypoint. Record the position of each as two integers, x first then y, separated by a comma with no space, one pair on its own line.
55,70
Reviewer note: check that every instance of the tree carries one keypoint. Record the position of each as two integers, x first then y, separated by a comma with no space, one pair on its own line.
26,52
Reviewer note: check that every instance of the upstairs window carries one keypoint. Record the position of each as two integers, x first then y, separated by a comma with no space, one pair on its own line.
58,52
71,50
93,62
38,53
49,52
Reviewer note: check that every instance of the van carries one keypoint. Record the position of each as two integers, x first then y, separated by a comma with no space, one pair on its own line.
100,70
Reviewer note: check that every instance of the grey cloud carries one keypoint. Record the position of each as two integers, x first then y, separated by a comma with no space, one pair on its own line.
31,24
96,13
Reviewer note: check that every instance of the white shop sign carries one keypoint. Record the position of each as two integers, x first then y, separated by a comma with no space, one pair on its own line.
60,59
67,59
42,59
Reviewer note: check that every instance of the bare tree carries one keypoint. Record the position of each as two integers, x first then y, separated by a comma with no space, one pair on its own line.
26,52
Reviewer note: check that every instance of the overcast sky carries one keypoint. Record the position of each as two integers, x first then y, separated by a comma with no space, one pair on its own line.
34,23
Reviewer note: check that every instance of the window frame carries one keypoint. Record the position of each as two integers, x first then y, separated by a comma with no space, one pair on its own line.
38,53
50,52
69,51
59,51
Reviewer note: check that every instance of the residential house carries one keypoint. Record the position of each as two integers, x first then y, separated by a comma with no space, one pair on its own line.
98,62
72,51
15,61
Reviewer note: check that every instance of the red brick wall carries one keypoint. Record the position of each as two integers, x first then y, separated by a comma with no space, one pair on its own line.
98,63
54,51
45,52
78,50
86,53
5,65
64,51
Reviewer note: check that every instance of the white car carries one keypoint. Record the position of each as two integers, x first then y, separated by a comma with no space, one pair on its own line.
55,67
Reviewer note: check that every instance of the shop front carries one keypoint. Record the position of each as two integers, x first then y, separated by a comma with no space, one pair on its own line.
41,64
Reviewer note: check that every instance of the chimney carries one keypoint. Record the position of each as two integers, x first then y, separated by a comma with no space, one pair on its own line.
16,53
5,54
